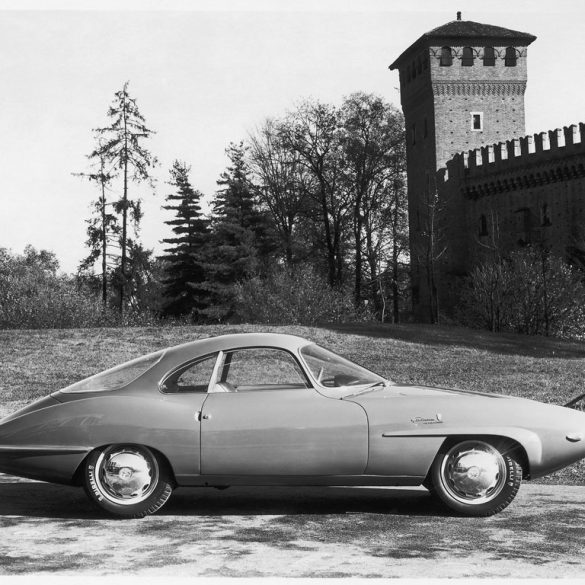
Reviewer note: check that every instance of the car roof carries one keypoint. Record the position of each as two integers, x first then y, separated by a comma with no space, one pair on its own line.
201,347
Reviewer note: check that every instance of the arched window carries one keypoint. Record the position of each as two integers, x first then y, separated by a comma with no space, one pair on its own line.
446,57
413,70
419,65
467,57
483,228
489,57
511,57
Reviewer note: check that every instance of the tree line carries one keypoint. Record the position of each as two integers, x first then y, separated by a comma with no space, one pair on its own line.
308,225
316,196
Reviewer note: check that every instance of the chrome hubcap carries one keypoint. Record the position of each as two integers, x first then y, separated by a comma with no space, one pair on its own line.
126,475
473,472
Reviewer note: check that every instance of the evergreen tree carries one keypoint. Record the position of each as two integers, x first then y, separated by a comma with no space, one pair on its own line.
103,228
122,147
242,239
185,290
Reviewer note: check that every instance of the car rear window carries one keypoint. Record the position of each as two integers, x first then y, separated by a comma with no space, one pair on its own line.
116,377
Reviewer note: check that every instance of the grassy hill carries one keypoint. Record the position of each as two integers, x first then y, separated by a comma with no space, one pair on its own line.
34,363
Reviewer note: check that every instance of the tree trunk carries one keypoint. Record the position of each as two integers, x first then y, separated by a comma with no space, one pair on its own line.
124,216
358,262
104,246
330,246
395,291
357,232
372,257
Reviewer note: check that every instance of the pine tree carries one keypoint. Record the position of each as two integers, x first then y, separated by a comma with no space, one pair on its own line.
242,239
103,228
185,290
122,148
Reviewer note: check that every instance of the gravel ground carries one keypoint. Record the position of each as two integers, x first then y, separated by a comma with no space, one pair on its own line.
291,532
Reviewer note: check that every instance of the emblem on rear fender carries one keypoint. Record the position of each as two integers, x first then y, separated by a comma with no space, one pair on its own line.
422,420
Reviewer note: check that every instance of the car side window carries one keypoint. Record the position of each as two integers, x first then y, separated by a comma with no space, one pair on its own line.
261,369
194,377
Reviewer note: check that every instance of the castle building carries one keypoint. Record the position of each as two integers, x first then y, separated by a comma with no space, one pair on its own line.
474,180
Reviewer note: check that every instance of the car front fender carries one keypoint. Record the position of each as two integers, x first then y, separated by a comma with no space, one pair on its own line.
530,442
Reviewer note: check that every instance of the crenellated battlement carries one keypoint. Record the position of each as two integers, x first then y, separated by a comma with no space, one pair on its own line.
462,86
515,154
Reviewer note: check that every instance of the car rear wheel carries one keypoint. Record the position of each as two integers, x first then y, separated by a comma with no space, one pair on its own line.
476,478
127,480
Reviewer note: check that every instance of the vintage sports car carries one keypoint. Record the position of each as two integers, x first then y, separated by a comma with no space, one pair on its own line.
269,409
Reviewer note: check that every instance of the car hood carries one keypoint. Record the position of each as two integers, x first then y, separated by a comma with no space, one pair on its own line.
403,408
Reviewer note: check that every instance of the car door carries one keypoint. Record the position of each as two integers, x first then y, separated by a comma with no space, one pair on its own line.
185,390
264,418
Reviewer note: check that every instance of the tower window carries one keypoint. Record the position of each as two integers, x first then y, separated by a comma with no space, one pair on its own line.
413,133
467,57
477,121
483,228
511,57
489,57
446,57
524,226
544,216
426,128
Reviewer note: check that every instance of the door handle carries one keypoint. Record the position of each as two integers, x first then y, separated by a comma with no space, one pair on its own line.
206,416
199,416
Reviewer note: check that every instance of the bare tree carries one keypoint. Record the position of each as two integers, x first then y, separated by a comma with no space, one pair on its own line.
374,173
312,131
283,179
372,135
432,246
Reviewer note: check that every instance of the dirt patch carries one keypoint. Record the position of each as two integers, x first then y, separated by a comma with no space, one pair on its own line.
292,532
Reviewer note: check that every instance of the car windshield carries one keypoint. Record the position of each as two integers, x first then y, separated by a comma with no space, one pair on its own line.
116,377
333,371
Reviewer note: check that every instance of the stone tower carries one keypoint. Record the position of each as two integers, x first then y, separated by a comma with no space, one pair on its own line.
462,86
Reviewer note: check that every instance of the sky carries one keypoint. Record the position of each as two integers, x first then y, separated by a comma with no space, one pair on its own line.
208,72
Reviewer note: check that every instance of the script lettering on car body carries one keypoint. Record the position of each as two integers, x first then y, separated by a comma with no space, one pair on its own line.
421,420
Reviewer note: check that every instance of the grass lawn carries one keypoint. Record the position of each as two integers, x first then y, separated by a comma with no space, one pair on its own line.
34,363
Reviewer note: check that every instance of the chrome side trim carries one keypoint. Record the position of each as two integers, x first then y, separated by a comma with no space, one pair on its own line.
32,450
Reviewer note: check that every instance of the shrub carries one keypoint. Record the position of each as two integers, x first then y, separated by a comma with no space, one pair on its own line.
296,296
531,292
34,296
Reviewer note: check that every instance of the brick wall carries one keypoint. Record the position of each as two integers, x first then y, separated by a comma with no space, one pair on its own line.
438,103
528,190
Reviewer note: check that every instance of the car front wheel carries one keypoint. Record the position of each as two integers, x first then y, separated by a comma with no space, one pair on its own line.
127,480
476,478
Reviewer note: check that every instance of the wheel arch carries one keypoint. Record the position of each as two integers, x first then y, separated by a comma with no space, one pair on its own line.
163,460
505,443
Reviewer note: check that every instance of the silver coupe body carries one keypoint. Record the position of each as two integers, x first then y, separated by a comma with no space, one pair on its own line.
272,409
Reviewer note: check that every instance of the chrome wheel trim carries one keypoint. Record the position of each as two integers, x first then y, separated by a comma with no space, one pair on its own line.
126,475
473,472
